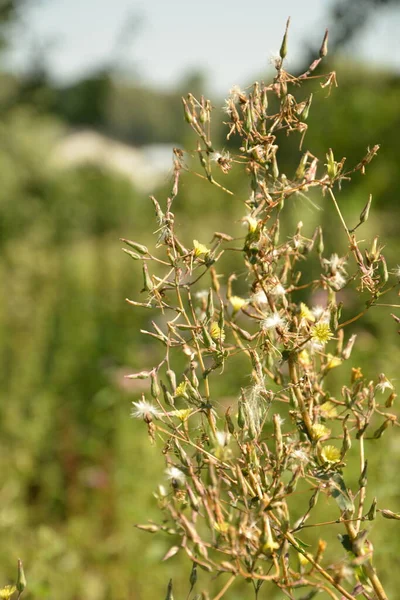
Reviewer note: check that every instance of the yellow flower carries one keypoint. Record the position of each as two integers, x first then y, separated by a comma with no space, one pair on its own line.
304,562
199,249
305,312
182,414
356,373
7,591
319,431
216,332
330,454
221,527
332,362
328,410
321,333
304,358
180,391
270,545
237,303
251,223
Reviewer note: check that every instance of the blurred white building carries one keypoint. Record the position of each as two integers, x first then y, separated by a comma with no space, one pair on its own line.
147,167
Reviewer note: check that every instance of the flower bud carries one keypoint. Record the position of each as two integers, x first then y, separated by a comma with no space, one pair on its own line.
349,347
278,435
172,379
149,528
374,253
276,233
169,595
168,398
133,255
154,387
362,482
302,166
147,282
210,305
390,400
140,375
333,318
193,575
306,109
388,514
241,418
320,245
283,48
331,165
194,503
214,280
371,514
207,339
264,100
365,212
324,47
346,442
138,247
229,422
21,579
275,169
221,317
378,433
383,270
186,111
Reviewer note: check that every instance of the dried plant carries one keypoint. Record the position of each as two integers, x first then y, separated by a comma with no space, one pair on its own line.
234,469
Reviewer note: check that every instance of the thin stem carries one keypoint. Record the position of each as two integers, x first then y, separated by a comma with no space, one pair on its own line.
339,213
225,588
329,592
389,305
299,396
361,314
363,490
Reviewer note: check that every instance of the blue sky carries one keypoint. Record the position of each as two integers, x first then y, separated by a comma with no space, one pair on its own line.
231,40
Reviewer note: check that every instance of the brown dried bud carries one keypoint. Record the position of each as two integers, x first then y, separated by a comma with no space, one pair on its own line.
324,47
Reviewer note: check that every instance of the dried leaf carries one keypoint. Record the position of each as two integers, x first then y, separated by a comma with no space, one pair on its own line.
171,552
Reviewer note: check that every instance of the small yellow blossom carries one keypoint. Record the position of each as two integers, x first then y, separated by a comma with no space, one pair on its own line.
237,303
319,431
321,333
7,591
304,358
270,545
251,223
332,362
216,332
180,391
330,454
182,414
199,248
305,312
356,373
304,562
221,527
328,410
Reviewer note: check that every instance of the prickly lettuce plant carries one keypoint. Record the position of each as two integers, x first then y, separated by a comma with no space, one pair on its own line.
236,467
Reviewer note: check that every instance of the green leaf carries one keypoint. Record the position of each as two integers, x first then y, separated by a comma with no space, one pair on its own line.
340,493
302,544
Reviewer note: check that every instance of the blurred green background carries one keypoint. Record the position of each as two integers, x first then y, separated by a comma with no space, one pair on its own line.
77,163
